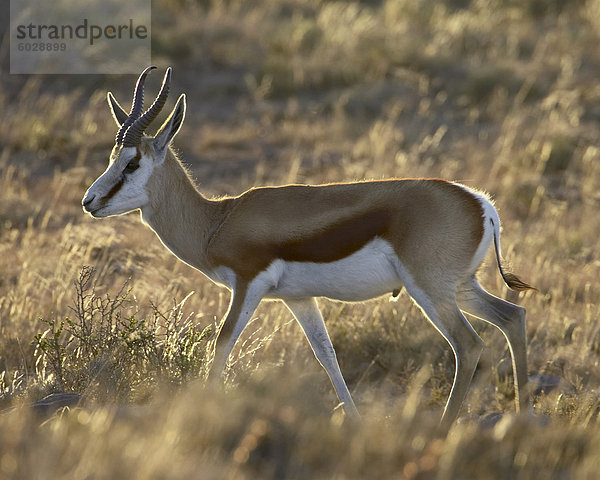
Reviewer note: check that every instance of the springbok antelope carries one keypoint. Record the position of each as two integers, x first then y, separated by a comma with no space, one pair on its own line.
345,241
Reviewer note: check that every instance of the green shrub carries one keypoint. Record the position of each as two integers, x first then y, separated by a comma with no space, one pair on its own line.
105,348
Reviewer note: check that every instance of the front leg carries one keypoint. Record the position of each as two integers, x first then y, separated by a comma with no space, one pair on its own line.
242,305
308,315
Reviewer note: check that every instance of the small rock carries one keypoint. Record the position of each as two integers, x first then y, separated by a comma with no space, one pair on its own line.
490,420
55,401
544,384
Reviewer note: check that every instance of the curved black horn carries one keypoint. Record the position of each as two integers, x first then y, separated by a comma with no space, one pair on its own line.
119,114
134,133
137,106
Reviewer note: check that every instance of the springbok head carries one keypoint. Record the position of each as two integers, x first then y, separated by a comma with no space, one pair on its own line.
135,156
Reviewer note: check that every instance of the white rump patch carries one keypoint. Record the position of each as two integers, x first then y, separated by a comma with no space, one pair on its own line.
489,213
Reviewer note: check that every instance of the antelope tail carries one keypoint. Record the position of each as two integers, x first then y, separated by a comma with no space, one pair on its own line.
512,281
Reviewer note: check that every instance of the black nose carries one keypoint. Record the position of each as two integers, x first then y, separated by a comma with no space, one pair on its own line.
87,201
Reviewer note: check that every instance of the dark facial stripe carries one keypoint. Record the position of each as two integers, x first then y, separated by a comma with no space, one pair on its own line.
136,163
115,189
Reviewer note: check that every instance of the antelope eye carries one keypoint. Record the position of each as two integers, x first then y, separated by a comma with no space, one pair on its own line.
132,166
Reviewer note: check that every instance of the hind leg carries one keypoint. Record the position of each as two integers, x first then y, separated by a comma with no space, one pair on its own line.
510,320
443,312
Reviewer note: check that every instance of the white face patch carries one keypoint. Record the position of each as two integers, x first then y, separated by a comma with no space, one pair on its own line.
121,188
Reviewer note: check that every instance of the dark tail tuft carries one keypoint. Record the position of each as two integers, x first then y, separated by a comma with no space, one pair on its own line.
515,283
512,281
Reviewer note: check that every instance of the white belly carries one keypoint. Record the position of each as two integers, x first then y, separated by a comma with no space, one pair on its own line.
369,272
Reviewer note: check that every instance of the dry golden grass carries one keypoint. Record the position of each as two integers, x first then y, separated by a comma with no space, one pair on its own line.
497,94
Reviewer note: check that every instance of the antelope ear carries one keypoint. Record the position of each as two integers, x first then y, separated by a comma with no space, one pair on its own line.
117,111
171,126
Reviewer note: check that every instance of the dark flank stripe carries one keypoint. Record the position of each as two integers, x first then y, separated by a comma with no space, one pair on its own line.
336,241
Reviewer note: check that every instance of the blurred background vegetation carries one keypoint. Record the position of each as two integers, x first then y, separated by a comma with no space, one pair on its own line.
498,94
